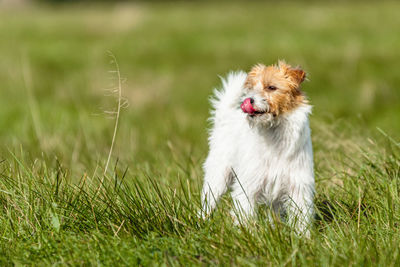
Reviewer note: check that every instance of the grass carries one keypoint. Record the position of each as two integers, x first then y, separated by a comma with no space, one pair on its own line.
56,86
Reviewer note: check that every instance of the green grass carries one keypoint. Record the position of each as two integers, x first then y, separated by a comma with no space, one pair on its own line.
55,134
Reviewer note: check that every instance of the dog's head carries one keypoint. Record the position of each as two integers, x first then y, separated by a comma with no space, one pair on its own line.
271,91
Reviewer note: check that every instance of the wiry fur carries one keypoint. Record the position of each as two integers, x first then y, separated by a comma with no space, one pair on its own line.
262,159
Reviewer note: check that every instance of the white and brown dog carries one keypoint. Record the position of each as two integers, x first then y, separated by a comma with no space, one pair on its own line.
260,145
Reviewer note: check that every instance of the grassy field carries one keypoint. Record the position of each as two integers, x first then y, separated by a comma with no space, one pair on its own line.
57,98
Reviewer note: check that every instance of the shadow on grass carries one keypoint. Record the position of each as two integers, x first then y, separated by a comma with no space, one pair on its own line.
327,210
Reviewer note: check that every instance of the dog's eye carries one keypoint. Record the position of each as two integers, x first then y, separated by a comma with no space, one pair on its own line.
271,87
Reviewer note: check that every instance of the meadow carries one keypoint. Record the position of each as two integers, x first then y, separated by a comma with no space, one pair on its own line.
63,203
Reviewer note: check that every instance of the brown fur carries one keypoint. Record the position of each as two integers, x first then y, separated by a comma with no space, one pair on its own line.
286,79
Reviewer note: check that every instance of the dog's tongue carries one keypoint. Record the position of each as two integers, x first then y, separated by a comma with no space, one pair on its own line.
247,107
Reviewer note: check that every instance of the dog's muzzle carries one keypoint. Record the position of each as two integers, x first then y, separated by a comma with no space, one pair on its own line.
248,107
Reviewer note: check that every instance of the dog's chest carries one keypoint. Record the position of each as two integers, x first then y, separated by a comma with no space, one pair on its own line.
260,157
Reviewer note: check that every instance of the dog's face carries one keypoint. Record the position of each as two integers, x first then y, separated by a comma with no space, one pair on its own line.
271,91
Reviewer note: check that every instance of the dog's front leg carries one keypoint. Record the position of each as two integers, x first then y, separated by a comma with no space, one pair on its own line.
300,207
216,182
243,205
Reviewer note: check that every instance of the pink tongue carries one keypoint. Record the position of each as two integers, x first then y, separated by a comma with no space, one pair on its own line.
247,107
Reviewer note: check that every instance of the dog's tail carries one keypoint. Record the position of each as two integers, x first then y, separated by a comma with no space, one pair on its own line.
229,96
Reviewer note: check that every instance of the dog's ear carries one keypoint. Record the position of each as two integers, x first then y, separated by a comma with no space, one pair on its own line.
298,75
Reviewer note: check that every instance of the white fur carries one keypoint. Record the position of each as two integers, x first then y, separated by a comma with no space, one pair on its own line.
260,162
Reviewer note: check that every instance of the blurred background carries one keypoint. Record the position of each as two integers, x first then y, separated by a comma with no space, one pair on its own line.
57,76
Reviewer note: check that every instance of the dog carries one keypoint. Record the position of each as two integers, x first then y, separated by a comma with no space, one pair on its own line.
260,145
